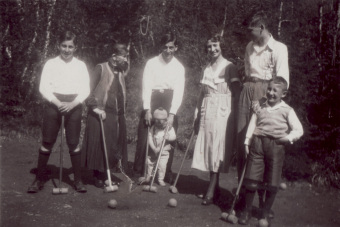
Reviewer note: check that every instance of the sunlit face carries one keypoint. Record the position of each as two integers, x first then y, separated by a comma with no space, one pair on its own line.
275,93
120,61
160,123
67,49
168,51
255,33
214,49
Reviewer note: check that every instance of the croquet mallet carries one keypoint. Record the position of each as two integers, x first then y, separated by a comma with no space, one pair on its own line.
142,179
109,187
60,190
149,187
173,188
231,216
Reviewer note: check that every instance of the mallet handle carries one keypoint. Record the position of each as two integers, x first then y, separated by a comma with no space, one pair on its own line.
105,152
185,154
61,151
154,171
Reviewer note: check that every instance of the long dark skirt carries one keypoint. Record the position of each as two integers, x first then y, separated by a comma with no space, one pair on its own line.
93,150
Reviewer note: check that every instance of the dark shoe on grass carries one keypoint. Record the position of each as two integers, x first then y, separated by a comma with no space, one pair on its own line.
79,187
98,183
244,218
36,186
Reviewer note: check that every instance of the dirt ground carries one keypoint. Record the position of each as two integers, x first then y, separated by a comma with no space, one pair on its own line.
299,205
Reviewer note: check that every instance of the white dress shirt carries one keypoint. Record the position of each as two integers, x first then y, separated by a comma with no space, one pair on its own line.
65,78
159,75
265,62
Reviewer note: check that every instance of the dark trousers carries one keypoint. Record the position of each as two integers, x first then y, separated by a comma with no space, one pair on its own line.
52,122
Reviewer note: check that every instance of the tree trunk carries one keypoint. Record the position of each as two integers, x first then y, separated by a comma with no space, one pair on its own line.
280,21
32,43
225,18
320,21
336,36
48,32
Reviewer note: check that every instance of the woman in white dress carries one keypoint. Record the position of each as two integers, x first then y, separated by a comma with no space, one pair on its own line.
215,117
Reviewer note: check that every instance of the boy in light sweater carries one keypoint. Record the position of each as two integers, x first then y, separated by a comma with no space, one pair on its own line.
273,125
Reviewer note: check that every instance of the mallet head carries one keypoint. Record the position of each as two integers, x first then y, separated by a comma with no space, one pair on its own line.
57,191
231,218
111,188
149,189
173,189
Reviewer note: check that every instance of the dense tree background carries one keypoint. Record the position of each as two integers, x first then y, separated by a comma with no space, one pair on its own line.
309,28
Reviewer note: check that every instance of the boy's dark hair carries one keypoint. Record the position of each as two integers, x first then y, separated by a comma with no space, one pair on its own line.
280,80
119,49
217,38
168,37
257,19
67,36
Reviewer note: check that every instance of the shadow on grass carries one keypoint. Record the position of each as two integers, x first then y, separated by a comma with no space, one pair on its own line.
191,184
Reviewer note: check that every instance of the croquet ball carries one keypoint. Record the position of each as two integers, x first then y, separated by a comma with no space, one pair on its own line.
263,223
112,203
173,202
283,186
224,215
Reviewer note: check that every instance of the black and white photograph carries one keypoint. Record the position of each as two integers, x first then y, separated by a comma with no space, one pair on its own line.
188,113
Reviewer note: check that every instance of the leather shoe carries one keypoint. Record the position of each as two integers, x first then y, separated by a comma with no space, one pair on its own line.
36,186
244,218
79,187
271,214
268,214
98,183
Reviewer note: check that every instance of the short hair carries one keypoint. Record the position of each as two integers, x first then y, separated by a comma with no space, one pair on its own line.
67,36
169,37
119,49
217,38
160,113
258,18
280,80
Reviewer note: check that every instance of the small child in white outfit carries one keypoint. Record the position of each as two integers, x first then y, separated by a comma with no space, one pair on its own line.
155,139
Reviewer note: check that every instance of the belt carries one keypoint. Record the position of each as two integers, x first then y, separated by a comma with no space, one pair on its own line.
161,90
254,79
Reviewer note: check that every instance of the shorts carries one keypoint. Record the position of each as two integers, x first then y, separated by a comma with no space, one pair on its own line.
265,161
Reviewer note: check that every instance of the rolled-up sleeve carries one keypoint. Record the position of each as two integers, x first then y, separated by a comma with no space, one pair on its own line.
295,126
45,87
84,83
282,68
178,91
147,86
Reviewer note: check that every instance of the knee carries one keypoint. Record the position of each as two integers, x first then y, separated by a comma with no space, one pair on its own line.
251,185
46,148
74,149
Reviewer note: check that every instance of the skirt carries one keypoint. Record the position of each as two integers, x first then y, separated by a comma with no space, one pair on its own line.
93,156
213,148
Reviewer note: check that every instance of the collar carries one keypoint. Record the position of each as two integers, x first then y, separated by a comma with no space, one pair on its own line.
281,104
270,44
61,60
161,59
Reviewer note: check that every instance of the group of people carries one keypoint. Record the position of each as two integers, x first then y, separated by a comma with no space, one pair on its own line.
245,113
